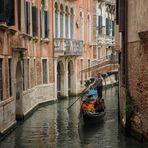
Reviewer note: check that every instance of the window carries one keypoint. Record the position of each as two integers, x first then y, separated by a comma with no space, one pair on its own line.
20,15
66,23
7,12
44,69
35,72
10,79
34,21
72,24
81,74
89,67
89,30
61,21
27,17
113,28
23,74
56,20
81,26
28,73
107,26
100,24
1,80
44,19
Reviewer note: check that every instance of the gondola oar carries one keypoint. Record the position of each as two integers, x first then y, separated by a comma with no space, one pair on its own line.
78,97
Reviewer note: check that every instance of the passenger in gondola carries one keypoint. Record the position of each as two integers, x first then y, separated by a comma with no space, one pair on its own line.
99,105
88,103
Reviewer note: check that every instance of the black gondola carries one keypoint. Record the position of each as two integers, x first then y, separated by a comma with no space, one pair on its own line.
97,114
89,117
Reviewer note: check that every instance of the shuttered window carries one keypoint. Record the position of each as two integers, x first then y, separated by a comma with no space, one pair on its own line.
35,21
1,80
56,25
23,73
27,17
19,15
7,11
46,23
61,25
2,10
107,26
100,24
28,74
44,69
113,28
121,15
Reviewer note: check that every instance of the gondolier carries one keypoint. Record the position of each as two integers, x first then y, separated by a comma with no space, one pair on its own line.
98,82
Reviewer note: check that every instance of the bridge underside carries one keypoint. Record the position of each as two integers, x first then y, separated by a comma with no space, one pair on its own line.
105,68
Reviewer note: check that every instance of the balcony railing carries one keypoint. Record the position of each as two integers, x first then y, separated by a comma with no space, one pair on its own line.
106,40
68,47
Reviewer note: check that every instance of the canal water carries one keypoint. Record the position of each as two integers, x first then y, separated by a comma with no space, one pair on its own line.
54,126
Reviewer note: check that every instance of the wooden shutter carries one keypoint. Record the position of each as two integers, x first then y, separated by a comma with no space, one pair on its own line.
100,24
117,12
121,15
46,23
113,28
27,17
19,14
2,10
10,12
107,26
35,20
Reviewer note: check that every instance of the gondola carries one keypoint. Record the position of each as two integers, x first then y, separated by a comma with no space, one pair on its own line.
89,117
93,116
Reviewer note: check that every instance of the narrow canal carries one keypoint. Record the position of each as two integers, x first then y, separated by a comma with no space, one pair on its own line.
55,127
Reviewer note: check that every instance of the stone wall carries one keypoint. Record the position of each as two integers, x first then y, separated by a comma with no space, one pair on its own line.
138,85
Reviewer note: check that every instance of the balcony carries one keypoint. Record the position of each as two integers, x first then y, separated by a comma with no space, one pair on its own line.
67,47
106,40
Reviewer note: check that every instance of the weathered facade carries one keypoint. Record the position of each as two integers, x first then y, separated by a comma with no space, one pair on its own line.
26,58
132,44
73,38
105,57
44,44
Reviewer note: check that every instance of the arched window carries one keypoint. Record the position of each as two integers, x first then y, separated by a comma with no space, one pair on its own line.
89,29
72,23
66,22
44,20
108,25
100,18
56,20
61,20
81,26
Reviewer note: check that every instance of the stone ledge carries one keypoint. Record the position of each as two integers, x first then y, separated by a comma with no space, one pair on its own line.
5,102
7,131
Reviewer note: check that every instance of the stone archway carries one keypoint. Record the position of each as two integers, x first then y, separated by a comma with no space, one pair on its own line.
70,77
60,79
19,91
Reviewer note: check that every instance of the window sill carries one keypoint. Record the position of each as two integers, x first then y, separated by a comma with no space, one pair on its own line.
25,35
11,30
35,38
45,40
3,27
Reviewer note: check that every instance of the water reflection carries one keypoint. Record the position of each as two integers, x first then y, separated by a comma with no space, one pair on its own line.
54,126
